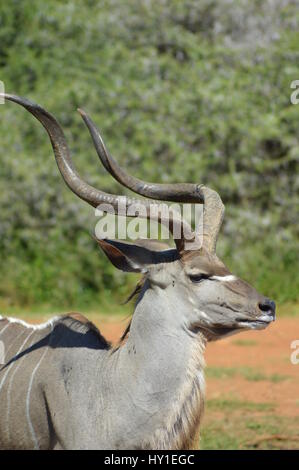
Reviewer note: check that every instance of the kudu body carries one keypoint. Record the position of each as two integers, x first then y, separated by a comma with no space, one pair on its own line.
62,386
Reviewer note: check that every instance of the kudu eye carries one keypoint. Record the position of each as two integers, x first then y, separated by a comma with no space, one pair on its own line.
196,278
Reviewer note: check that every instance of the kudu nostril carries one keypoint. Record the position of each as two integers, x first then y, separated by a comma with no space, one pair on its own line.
267,306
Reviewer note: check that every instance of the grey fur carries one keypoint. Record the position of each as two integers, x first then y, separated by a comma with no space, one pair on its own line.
146,394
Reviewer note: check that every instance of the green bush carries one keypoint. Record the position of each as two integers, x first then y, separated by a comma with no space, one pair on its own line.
182,91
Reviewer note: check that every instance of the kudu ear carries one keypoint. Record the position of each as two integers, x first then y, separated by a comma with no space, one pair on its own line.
134,258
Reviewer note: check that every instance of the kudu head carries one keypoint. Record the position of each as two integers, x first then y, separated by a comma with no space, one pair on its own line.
210,298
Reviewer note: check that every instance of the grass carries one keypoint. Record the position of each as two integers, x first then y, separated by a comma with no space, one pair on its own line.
252,375
106,308
266,432
276,378
245,342
221,372
288,309
248,373
236,424
232,404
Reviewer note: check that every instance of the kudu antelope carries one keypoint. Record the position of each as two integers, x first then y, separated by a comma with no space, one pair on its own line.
62,386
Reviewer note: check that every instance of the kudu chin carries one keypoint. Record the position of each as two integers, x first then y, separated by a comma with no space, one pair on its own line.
63,386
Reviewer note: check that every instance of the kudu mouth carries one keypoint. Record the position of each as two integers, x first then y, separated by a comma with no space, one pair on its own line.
255,324
254,310
233,321
263,320
217,331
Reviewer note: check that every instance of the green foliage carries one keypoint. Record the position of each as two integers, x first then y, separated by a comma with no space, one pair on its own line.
182,91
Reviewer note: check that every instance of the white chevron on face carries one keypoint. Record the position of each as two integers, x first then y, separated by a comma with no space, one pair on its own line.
228,278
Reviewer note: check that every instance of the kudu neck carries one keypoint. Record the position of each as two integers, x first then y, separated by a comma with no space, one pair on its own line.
164,361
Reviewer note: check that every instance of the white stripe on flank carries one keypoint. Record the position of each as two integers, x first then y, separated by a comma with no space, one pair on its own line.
35,440
28,325
13,342
10,385
2,331
2,353
10,366
228,278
